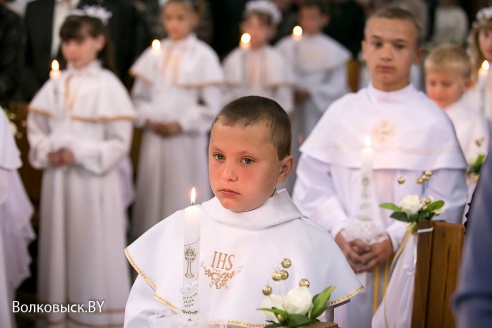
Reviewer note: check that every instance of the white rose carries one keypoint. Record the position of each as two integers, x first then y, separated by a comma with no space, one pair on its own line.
298,301
411,204
272,301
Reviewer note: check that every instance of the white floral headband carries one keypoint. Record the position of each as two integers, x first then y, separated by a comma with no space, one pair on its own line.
483,14
93,11
162,3
264,7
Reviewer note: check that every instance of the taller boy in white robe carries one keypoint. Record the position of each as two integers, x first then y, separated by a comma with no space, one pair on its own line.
238,253
181,82
15,224
410,135
82,220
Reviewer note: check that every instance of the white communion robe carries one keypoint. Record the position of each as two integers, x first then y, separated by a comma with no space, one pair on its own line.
15,224
260,72
180,83
479,97
319,63
409,135
82,223
251,244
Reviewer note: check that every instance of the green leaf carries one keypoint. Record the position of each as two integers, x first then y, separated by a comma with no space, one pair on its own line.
296,320
319,302
390,206
276,312
400,216
275,325
438,204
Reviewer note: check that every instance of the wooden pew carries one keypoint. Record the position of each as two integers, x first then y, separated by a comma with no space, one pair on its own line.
438,261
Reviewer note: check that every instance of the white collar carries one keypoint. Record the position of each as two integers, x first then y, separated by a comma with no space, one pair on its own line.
455,107
89,69
276,210
397,96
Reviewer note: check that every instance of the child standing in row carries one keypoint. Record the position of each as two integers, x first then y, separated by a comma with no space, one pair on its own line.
479,96
177,96
319,63
79,129
249,226
409,135
256,68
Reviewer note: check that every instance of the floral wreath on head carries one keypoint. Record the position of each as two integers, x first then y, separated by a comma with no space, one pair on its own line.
264,7
94,11
484,14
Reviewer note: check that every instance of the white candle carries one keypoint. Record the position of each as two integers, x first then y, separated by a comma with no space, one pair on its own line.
296,36
483,75
367,155
55,70
192,220
245,44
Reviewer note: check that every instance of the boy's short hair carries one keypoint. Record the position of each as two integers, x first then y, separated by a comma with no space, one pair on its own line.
251,110
319,4
449,56
398,13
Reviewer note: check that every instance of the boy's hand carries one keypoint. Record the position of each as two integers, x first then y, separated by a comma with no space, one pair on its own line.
379,253
164,129
355,259
67,156
55,159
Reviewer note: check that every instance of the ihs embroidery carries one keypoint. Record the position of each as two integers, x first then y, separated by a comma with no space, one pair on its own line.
222,270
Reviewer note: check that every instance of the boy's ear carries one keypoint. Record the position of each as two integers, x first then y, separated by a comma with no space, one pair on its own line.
419,54
271,32
325,20
286,168
467,83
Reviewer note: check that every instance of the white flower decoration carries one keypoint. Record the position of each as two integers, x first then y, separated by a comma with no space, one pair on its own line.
298,301
411,204
272,301
93,11
264,7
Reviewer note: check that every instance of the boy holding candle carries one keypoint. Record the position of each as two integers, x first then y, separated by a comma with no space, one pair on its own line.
245,230
409,136
320,66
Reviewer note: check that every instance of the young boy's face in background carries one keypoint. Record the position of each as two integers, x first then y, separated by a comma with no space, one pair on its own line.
390,49
311,20
445,86
243,166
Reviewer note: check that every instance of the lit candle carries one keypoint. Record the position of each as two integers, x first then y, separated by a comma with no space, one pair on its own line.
296,36
156,47
245,44
483,75
367,155
192,222
55,70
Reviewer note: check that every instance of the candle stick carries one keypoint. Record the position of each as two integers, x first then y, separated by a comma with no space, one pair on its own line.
245,44
483,75
296,36
191,240
367,155
55,70
156,47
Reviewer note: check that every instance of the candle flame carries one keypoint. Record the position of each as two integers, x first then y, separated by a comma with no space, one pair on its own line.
367,141
193,196
55,66
297,32
245,38
485,65
156,44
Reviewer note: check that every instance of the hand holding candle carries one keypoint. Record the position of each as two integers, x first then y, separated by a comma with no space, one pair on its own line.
55,70
483,75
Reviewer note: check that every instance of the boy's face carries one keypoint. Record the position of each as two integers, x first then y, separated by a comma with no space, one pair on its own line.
485,43
179,20
243,166
311,20
260,31
445,87
390,49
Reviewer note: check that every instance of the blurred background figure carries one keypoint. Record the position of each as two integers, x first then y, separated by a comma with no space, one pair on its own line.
288,21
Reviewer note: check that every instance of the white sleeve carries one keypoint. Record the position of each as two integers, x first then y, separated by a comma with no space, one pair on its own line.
315,195
333,86
141,305
284,95
100,157
199,119
141,96
38,132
